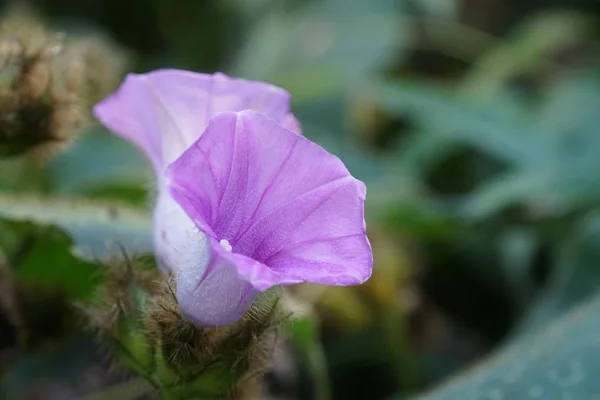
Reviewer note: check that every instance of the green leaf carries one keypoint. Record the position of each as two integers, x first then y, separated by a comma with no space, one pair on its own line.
127,390
20,174
548,153
510,188
557,178
575,276
492,127
100,162
64,363
322,46
558,362
97,228
517,249
561,112
425,218
528,49
43,259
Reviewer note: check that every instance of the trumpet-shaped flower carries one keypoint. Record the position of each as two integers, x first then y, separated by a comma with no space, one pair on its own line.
245,202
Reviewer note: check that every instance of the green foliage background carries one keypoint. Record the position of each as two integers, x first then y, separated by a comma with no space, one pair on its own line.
476,127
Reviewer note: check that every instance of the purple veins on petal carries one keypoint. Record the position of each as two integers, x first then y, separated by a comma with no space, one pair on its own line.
278,199
244,201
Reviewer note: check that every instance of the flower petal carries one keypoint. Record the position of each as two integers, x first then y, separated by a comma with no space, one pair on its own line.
174,233
277,198
213,286
165,111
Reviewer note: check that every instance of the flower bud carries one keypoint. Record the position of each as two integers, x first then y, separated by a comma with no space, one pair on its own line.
139,321
47,83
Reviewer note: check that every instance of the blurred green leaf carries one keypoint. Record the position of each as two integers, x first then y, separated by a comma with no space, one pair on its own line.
96,227
127,390
548,161
322,46
21,174
98,160
557,362
528,49
426,219
441,8
558,179
61,369
561,112
575,276
513,187
517,251
43,259
495,128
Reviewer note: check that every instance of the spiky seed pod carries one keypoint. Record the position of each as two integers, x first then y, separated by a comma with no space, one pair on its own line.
137,316
48,82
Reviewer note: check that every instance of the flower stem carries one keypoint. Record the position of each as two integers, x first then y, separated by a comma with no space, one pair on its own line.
318,367
304,334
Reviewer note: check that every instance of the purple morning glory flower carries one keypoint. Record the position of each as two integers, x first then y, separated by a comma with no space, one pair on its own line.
245,202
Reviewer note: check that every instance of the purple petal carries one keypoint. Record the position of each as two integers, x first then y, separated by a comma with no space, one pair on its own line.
277,198
213,286
165,111
291,123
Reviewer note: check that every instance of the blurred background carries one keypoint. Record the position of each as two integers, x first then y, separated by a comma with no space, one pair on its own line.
475,125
